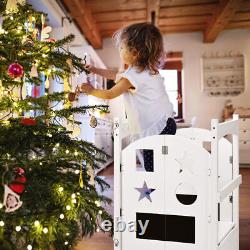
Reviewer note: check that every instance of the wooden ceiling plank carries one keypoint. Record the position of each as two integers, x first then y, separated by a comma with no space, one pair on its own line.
123,15
111,5
153,8
117,25
245,5
81,12
169,3
239,25
241,16
223,14
165,29
183,29
187,10
184,20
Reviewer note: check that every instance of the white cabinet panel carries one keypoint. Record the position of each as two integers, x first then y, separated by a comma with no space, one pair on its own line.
245,134
245,123
244,143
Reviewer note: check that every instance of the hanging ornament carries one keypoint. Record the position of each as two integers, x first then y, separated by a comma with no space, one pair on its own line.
43,20
18,185
35,92
11,200
69,62
28,43
66,84
93,122
12,6
80,178
31,24
24,89
74,129
45,33
35,34
33,71
28,121
47,83
73,96
91,174
15,70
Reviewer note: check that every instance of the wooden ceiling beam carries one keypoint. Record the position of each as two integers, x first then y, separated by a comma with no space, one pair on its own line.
153,8
80,11
107,33
222,16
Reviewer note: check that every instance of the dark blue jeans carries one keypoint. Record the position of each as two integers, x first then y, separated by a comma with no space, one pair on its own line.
148,154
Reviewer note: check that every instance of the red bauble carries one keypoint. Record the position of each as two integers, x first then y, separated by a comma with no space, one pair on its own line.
19,186
15,70
28,121
19,171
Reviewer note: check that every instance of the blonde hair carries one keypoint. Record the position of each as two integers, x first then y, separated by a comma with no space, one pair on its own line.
147,40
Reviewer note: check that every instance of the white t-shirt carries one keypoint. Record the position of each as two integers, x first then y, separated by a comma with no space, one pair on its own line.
147,106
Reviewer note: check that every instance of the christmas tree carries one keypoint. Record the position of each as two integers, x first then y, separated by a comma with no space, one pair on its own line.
46,198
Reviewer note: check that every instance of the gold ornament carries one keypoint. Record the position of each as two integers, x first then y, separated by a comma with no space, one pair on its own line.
93,122
33,71
80,178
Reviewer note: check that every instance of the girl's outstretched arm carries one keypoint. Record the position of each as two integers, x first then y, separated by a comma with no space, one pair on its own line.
106,73
122,86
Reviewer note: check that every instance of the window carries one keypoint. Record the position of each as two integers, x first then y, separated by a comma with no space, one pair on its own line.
172,84
172,73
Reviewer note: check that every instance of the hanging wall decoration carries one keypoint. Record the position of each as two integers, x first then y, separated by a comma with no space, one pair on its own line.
223,74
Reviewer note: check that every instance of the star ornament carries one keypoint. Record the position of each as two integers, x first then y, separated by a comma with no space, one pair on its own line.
145,192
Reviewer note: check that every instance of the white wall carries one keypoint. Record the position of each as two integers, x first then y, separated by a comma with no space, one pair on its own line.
197,103
55,15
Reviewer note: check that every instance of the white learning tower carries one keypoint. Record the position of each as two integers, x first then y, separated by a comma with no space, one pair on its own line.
190,199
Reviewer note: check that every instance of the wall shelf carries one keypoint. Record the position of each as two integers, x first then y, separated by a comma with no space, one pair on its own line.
223,75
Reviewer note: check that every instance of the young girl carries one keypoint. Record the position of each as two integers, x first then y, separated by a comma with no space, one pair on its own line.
148,109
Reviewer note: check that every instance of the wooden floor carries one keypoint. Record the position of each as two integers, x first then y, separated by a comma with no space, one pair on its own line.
103,242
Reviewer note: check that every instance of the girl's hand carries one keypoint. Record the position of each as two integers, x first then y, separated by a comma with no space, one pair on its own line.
86,88
90,68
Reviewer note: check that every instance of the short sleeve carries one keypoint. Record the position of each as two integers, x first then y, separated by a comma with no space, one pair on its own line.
128,74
